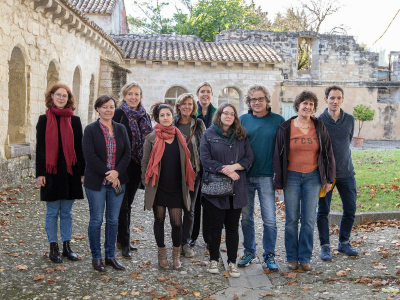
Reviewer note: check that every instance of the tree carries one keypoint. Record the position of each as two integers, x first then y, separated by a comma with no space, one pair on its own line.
153,20
210,17
363,113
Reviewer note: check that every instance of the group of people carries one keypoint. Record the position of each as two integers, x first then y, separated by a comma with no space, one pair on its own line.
258,151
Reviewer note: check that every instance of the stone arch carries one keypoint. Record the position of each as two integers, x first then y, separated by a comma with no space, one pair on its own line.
76,86
91,112
53,75
231,95
173,93
17,97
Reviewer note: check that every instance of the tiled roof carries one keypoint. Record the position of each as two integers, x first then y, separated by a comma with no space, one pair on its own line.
190,48
94,6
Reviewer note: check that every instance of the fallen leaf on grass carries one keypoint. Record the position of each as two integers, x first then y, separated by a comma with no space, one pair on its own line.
172,291
106,279
49,270
267,294
60,268
21,267
51,280
124,293
305,288
223,250
390,290
79,237
290,275
268,271
379,266
135,293
162,278
235,297
226,274
39,277
145,265
196,294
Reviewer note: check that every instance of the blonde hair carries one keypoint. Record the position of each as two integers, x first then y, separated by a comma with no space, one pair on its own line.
205,83
180,101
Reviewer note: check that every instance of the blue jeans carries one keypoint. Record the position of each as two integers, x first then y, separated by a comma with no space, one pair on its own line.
348,194
301,197
266,196
98,200
54,209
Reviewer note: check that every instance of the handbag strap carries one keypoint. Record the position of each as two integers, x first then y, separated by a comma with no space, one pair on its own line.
190,138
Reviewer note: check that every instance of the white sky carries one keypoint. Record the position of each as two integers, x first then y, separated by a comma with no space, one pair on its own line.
366,20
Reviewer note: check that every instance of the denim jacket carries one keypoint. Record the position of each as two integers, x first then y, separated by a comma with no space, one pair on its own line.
216,152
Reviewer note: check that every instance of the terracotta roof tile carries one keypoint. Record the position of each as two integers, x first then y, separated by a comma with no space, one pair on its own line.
94,6
191,48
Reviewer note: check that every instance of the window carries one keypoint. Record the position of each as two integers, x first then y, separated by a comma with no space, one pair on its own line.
173,93
230,95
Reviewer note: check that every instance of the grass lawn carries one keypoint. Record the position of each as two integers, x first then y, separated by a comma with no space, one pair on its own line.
378,181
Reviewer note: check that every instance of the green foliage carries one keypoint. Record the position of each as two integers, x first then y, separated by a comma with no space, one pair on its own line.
363,113
293,19
377,180
210,17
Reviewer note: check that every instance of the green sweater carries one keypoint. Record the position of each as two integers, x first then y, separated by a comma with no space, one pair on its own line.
261,133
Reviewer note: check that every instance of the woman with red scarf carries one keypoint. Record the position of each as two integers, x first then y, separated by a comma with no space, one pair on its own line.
167,175
59,166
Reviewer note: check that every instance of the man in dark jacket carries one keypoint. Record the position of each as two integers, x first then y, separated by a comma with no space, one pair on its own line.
340,126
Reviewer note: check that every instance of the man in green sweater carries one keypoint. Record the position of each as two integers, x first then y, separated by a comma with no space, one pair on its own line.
261,125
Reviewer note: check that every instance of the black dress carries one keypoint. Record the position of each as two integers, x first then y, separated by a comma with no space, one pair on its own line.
60,186
169,190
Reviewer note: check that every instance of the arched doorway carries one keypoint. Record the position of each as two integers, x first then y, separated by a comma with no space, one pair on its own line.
76,87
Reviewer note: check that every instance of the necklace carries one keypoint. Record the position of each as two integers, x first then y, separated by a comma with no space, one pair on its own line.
298,125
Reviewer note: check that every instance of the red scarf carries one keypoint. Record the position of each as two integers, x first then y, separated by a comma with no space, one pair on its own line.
165,133
67,139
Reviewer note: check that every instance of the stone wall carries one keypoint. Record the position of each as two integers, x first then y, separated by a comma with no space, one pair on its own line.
49,36
333,57
394,65
156,78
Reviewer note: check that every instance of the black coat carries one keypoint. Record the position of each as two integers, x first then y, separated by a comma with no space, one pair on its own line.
61,185
95,152
216,152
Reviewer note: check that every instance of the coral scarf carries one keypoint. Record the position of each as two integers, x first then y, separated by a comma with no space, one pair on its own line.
162,134
67,139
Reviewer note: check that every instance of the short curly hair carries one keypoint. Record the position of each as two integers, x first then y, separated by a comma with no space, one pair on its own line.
303,96
181,99
254,88
54,88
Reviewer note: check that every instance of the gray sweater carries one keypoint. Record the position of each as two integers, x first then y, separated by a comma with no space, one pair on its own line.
341,134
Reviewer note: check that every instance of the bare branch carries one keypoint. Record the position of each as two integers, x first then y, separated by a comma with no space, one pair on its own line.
387,27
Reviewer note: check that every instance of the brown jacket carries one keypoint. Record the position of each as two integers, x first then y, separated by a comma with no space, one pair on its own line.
150,191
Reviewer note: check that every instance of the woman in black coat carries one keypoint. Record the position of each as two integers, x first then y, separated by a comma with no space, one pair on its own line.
59,166
107,153
225,149
134,117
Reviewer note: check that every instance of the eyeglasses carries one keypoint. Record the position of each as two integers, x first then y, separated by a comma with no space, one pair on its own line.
65,96
254,100
225,113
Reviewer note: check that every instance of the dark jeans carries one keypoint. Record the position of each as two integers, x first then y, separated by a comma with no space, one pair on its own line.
124,219
218,218
348,194
197,219
188,215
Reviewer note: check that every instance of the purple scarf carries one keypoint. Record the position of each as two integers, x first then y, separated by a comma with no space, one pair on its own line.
140,125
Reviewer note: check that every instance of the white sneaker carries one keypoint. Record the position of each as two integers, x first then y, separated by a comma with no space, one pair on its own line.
187,251
233,271
213,267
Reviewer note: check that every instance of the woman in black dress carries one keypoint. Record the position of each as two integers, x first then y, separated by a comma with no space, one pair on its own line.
59,166
168,176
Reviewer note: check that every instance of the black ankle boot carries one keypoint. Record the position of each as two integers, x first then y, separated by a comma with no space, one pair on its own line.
55,253
68,252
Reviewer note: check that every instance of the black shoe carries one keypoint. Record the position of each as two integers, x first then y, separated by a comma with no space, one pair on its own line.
126,252
115,264
55,255
132,248
68,252
98,265
192,243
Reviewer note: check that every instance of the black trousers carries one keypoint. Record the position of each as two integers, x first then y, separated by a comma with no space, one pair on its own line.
188,215
124,220
197,219
218,218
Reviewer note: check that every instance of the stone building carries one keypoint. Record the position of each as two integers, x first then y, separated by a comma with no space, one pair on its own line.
86,44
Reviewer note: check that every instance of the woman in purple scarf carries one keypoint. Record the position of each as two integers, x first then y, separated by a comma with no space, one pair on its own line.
132,114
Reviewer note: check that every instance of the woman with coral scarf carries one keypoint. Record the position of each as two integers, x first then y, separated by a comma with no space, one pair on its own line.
167,175
59,166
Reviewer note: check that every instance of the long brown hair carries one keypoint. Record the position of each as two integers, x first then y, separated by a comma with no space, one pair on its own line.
54,88
240,132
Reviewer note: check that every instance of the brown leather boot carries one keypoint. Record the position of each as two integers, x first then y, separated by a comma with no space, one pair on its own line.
176,253
162,258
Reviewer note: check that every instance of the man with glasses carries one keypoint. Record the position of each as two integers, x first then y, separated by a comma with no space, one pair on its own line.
261,125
